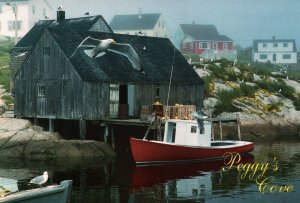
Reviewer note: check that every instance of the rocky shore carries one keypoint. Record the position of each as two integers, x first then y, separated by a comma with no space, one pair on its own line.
20,139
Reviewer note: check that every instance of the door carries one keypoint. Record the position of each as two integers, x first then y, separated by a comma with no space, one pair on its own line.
113,100
131,103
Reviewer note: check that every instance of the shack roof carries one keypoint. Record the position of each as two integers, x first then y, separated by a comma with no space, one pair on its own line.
158,56
203,32
76,24
134,22
257,41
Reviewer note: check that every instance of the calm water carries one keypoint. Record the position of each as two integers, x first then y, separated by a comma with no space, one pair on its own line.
120,181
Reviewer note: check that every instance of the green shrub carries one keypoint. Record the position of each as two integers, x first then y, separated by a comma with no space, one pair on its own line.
5,78
225,101
248,90
7,99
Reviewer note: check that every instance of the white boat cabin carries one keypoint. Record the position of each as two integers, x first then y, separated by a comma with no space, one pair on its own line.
188,132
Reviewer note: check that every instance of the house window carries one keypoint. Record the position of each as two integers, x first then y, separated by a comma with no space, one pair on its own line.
1,9
204,45
215,46
275,45
285,44
191,45
162,24
263,56
193,129
12,26
225,46
41,90
265,45
46,51
286,56
184,45
33,9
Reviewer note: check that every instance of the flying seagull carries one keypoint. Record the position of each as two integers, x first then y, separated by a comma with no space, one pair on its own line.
59,8
39,180
21,54
87,13
97,48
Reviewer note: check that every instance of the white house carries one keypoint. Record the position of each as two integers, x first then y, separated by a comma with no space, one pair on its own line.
151,24
276,51
17,17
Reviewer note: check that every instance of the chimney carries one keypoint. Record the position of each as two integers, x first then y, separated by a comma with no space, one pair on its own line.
60,15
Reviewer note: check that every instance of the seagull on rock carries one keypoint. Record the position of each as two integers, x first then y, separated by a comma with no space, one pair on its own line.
97,48
39,180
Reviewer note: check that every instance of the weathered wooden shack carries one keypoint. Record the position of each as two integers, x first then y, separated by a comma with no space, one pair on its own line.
52,84
19,53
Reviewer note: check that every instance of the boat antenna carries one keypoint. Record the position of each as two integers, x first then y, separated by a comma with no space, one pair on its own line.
171,77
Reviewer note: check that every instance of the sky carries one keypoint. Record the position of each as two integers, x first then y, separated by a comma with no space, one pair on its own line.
241,20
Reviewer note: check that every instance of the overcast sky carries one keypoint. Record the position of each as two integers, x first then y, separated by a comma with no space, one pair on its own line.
241,20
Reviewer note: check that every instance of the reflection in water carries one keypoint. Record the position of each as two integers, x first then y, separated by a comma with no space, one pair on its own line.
114,181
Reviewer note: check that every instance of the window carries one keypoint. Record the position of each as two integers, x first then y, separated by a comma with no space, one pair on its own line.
41,90
46,51
215,46
33,9
286,56
1,9
263,56
12,26
184,45
225,46
265,45
203,45
191,45
275,45
285,44
194,129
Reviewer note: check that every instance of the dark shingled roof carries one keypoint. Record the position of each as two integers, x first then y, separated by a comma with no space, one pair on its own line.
256,41
156,55
203,32
134,22
76,24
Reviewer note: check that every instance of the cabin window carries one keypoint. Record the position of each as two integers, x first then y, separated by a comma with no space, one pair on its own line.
215,46
41,90
265,45
193,129
33,9
13,26
263,56
191,45
285,44
204,45
225,46
275,45
286,56
46,51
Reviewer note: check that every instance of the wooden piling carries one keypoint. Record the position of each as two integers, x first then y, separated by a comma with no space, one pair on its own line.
51,125
82,129
221,133
238,126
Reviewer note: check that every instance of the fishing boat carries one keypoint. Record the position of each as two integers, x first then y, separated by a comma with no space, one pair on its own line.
185,140
49,194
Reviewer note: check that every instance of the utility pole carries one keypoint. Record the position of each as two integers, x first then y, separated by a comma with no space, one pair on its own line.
14,8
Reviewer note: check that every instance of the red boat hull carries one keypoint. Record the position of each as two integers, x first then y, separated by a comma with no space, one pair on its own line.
145,151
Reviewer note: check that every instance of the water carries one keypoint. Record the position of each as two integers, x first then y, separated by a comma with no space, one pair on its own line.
120,181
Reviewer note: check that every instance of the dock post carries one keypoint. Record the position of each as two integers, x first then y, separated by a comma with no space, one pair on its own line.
112,138
238,126
106,133
220,125
82,129
212,127
51,125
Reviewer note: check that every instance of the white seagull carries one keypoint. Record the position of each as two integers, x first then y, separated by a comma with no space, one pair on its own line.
97,48
39,180
21,54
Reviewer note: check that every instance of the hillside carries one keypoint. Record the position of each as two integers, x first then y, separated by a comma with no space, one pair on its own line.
260,93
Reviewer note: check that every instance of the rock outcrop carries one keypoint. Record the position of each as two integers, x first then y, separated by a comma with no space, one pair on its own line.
20,139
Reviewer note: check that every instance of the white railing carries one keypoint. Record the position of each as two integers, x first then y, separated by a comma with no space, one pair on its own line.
218,54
